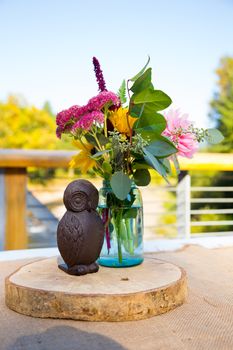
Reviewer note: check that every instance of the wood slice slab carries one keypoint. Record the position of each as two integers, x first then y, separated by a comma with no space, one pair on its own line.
40,289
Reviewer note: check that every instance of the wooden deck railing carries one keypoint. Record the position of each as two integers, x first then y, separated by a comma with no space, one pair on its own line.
14,164
13,167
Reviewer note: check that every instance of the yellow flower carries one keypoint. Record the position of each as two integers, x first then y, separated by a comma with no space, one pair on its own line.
119,121
82,160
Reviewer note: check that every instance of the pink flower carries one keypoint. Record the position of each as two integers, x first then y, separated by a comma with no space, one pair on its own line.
73,112
179,131
86,121
82,117
65,119
104,97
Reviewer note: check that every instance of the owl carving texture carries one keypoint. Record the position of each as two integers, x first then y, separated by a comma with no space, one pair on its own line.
80,232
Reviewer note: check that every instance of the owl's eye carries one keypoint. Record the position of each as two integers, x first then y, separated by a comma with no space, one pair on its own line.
80,195
76,201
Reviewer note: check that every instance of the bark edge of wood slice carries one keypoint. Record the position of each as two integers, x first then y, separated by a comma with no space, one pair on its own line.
40,289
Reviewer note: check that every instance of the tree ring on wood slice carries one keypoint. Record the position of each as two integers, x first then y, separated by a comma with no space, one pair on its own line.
41,289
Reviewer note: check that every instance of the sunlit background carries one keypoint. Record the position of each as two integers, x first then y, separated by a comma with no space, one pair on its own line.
46,66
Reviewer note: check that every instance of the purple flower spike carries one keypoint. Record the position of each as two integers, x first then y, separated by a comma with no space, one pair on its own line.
99,75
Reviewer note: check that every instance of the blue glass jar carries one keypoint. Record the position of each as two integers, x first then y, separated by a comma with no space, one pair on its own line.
123,243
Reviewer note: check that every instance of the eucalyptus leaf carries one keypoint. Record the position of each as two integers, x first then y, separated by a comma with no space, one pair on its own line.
141,71
140,164
99,154
120,184
167,165
143,82
213,136
151,160
176,163
142,177
161,148
159,99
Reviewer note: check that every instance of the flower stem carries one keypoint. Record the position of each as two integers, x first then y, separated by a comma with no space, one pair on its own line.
127,115
129,236
117,225
119,248
106,220
105,123
97,141
83,144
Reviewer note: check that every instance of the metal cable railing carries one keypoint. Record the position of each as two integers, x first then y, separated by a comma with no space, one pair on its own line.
169,211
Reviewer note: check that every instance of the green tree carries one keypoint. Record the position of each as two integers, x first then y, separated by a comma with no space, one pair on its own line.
27,127
222,114
222,105
48,108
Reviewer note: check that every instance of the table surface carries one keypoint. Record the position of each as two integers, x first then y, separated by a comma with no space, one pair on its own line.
205,321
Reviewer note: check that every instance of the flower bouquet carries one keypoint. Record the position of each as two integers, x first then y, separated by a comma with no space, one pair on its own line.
123,136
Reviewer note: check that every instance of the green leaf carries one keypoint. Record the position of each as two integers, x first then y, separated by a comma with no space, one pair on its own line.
167,165
159,99
130,213
111,227
141,71
140,164
151,160
213,136
102,139
136,111
150,121
176,163
99,154
122,92
107,168
142,177
120,184
90,139
143,82
161,148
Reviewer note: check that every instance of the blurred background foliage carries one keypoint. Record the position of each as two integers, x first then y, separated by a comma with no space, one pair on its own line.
27,127
24,126
221,114
222,105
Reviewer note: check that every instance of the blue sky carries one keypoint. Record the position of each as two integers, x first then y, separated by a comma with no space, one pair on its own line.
47,48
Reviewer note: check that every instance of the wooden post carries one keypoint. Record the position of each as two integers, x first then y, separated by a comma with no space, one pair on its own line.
2,210
15,208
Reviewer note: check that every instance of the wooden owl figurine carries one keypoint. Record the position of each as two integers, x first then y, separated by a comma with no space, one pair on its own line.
80,232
